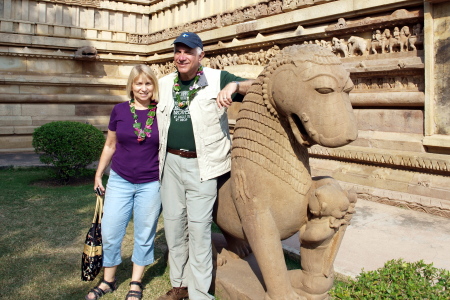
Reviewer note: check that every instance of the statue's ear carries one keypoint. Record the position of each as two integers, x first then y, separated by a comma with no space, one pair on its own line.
283,88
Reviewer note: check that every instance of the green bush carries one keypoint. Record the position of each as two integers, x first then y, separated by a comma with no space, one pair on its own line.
397,280
69,146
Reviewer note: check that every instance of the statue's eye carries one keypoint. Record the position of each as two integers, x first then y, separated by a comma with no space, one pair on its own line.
348,89
324,90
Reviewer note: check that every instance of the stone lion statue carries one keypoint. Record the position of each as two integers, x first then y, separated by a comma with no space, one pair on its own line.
300,99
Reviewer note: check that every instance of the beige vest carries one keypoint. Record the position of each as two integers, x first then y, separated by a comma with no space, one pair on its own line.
210,125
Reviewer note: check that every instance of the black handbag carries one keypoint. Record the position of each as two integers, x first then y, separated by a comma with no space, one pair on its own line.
92,258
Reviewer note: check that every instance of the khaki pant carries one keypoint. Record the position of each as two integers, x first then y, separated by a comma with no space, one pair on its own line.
187,210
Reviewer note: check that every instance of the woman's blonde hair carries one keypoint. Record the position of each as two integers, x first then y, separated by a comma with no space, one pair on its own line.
147,72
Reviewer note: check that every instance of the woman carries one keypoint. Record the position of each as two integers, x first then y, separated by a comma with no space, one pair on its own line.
133,187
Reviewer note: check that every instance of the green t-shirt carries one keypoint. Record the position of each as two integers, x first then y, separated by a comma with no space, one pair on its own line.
181,134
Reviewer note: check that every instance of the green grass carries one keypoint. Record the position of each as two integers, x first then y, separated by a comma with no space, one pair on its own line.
42,236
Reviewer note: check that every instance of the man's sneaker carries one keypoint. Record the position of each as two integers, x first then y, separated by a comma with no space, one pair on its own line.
176,293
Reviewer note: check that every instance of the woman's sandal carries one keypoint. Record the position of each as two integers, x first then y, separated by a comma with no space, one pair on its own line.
135,294
98,292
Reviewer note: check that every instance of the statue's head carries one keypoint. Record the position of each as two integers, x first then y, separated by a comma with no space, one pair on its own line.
309,87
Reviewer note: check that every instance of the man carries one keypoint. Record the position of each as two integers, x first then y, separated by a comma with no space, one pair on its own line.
195,149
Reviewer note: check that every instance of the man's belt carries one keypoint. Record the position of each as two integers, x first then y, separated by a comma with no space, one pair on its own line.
183,153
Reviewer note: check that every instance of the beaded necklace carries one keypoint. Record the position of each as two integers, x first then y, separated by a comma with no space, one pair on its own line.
146,132
192,89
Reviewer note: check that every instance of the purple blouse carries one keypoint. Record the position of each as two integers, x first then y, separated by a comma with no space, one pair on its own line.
134,161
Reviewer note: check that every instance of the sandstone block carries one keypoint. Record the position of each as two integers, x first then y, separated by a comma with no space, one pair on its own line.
24,129
93,110
48,110
52,66
9,89
10,110
6,130
26,28
75,32
91,33
402,121
120,37
12,142
59,30
94,120
390,141
6,26
12,64
15,120
42,29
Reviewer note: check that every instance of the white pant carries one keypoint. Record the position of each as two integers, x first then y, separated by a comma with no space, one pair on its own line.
187,210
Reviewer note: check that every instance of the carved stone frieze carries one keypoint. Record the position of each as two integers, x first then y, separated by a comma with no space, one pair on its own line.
238,16
87,3
398,199
406,160
349,27
406,81
399,39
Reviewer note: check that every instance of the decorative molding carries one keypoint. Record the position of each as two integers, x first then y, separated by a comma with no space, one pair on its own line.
422,162
370,23
399,199
237,16
86,3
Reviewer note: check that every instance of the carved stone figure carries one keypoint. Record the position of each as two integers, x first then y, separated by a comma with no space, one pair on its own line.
289,4
270,195
341,23
386,40
416,36
262,9
404,38
86,53
400,39
339,46
275,7
356,45
376,41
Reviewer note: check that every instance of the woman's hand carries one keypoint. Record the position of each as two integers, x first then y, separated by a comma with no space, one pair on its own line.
98,184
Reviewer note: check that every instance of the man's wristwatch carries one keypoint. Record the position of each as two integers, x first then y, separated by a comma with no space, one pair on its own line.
237,82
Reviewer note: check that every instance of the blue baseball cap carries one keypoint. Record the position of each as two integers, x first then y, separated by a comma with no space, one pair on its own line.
190,39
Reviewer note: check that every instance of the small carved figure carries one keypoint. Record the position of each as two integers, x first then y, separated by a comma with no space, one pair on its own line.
262,10
272,52
356,45
404,38
416,36
339,46
227,19
386,41
275,7
238,16
341,24
376,41
399,40
270,194
289,4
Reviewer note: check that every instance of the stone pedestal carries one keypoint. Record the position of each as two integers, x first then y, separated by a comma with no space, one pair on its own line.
238,279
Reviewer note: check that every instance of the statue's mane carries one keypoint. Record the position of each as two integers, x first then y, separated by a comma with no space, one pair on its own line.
264,137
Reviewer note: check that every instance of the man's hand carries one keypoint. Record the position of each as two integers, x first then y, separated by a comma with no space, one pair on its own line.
224,97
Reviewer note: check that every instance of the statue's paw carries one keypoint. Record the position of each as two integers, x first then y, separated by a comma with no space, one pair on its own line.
240,248
221,260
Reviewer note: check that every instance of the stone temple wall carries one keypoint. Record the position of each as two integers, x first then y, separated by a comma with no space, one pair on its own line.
395,50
